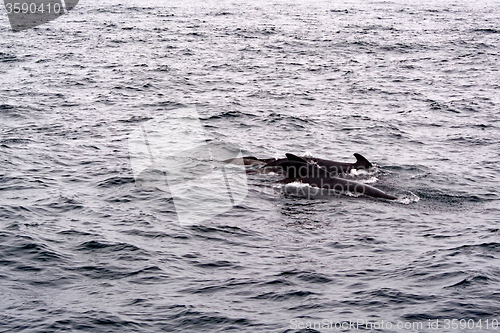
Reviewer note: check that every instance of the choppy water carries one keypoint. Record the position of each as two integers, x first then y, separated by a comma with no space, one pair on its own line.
412,86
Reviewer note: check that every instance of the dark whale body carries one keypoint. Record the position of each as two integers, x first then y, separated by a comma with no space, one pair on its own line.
334,167
341,167
298,169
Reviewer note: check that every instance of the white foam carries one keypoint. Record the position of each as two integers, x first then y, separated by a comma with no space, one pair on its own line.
308,154
408,199
370,180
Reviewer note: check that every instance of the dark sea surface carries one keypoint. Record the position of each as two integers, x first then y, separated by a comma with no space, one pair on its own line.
413,86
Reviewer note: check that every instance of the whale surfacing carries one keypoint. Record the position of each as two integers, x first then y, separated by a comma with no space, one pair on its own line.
334,167
299,169
317,172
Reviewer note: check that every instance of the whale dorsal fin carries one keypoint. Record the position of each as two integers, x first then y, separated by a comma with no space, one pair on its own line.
293,157
361,162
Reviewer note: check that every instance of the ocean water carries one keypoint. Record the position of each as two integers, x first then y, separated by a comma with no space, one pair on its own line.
413,86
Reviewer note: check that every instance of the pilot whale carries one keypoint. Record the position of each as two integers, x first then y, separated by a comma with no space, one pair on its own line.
341,167
333,167
299,169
